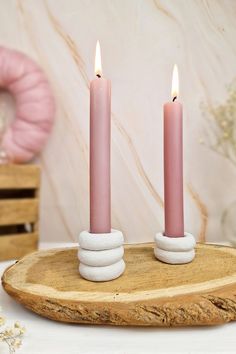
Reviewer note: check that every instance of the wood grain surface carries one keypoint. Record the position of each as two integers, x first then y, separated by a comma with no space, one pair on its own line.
150,293
19,176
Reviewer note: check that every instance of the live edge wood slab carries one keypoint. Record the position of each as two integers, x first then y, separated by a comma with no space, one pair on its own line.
150,293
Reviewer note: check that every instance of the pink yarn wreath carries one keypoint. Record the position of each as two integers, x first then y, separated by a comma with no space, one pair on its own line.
34,106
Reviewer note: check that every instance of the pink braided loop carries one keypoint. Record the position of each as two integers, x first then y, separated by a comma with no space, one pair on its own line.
35,106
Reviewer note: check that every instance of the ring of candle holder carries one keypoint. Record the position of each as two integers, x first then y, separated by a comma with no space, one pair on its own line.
101,258
101,255
175,250
98,242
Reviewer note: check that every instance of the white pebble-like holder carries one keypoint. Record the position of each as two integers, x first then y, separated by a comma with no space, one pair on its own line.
175,250
101,255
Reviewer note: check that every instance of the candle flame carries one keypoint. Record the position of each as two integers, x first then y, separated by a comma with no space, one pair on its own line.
98,62
175,83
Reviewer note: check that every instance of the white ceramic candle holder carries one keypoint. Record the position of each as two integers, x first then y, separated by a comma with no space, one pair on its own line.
175,250
101,255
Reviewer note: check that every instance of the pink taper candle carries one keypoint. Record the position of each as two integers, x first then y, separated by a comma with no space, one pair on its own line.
100,126
173,164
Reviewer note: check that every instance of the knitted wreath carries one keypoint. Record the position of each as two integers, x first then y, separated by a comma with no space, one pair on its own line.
34,106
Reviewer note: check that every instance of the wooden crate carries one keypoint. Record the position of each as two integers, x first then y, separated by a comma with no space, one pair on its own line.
19,210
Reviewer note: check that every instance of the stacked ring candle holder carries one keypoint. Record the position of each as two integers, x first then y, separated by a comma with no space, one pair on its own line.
101,255
175,250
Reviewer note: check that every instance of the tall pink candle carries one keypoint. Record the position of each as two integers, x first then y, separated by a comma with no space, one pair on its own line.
173,164
100,126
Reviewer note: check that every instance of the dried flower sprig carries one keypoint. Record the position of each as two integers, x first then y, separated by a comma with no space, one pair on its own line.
12,336
221,137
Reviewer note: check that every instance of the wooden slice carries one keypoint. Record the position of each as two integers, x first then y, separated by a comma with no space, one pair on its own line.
150,293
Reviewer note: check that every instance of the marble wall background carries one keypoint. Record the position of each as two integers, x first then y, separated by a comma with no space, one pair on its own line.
140,40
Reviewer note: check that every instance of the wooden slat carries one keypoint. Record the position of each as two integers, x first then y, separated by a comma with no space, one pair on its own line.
19,176
16,246
18,211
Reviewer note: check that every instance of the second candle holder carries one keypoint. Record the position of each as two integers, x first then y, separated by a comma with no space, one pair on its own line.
175,250
101,255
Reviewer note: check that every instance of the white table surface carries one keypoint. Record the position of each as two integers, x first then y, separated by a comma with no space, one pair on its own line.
45,337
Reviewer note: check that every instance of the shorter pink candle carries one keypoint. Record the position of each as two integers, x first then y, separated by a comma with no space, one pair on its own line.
173,164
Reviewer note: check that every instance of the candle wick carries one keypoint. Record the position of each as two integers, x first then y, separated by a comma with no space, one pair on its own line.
98,75
174,99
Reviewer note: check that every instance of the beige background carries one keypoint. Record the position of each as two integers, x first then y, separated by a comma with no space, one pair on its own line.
140,40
